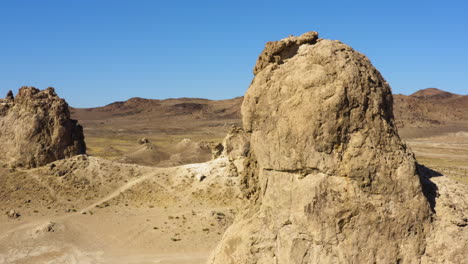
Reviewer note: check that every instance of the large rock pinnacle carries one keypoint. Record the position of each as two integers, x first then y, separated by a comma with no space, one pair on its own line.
35,128
332,181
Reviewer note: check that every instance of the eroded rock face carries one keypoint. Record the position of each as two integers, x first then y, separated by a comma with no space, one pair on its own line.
35,128
329,179
236,144
236,148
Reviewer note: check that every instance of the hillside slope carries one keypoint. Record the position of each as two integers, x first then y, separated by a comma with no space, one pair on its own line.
441,111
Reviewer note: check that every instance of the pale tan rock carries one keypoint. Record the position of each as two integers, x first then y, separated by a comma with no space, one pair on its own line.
236,144
276,52
35,129
12,214
142,141
236,147
447,242
328,178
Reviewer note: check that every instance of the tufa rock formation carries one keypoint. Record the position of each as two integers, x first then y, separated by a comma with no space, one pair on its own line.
9,96
236,144
327,176
236,147
35,129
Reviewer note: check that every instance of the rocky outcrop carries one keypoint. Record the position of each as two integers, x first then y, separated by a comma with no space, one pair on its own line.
35,129
236,144
447,241
328,178
9,96
236,148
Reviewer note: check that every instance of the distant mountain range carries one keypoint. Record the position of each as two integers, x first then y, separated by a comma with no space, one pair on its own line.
425,111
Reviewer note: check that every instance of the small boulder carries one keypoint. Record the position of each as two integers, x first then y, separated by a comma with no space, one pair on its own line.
12,214
142,141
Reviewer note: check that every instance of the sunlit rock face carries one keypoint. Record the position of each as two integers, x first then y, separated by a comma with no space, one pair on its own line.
35,129
329,180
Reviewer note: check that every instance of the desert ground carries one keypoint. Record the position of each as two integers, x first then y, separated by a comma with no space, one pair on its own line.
100,212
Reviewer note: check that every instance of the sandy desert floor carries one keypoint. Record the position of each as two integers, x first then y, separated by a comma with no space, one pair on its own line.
446,153
100,212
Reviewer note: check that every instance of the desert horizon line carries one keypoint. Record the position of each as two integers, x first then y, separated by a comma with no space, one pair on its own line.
202,98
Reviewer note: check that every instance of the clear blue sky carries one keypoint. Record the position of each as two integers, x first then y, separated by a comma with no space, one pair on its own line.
97,52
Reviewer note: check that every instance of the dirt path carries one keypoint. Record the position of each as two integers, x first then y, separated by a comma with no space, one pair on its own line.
119,190
108,197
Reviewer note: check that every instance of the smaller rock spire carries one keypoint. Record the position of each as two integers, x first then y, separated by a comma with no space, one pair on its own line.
9,95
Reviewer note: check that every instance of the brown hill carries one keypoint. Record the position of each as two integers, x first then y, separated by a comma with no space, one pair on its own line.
433,93
461,101
197,108
432,108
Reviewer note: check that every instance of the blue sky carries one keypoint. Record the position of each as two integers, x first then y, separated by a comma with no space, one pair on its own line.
97,52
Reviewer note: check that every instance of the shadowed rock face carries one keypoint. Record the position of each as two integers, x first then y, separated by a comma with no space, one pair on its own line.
329,180
35,128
